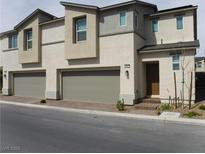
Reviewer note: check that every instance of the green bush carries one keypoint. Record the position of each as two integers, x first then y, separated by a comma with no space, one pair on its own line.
43,101
202,107
192,114
120,105
165,107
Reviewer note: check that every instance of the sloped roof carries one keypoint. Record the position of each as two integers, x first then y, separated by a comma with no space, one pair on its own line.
37,11
199,58
79,5
7,32
176,9
152,48
108,7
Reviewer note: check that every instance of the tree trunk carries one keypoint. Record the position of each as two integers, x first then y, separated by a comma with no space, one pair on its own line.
175,88
190,91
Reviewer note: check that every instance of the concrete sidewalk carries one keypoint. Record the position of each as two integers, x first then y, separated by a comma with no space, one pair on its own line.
20,99
78,105
111,114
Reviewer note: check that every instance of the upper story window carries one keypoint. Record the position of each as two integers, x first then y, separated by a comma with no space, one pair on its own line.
123,18
199,64
176,62
28,40
179,20
136,20
13,41
155,25
81,29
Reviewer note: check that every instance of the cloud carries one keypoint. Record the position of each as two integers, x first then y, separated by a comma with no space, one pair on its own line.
13,11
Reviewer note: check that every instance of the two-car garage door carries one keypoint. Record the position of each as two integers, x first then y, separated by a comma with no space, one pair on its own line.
86,86
30,84
91,86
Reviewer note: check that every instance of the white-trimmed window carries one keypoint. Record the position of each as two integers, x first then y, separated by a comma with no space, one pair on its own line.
29,38
13,41
155,26
123,18
81,29
176,62
179,20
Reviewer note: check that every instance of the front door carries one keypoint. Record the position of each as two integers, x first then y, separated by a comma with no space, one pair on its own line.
152,74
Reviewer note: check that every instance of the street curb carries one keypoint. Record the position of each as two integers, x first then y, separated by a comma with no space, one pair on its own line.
111,114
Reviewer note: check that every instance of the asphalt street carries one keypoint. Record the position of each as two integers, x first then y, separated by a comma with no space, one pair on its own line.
25,129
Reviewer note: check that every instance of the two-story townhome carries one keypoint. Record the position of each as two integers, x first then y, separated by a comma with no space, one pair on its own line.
125,51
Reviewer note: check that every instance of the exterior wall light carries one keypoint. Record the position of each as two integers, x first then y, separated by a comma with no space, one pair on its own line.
127,74
5,73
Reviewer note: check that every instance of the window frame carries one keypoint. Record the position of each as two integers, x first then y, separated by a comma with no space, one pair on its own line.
12,43
199,64
136,20
78,31
177,17
125,24
29,40
152,25
174,62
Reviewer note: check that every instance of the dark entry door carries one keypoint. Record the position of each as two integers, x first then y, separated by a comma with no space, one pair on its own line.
152,79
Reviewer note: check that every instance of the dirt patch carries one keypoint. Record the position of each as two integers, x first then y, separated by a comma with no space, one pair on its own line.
195,109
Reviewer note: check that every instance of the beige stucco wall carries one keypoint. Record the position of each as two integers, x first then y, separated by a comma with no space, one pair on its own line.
1,53
53,58
53,32
167,30
167,74
84,49
31,55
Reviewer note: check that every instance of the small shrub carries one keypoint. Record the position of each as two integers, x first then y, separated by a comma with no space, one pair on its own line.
202,107
120,105
165,107
158,112
192,114
43,101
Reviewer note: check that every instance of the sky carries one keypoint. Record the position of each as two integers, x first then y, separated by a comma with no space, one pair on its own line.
13,11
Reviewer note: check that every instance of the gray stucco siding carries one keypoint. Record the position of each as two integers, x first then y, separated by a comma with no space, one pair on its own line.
109,21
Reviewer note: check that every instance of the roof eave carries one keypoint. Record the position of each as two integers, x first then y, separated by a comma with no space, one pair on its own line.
79,5
173,11
32,15
168,49
127,3
8,33
181,45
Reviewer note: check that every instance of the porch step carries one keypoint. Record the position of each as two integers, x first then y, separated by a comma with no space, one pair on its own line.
151,100
147,106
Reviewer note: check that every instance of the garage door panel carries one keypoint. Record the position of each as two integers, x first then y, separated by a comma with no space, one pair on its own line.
30,84
92,86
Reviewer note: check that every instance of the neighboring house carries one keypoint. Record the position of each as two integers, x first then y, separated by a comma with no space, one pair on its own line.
200,64
125,51
1,73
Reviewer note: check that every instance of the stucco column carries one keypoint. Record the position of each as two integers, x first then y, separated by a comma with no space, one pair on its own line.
51,84
127,86
7,85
